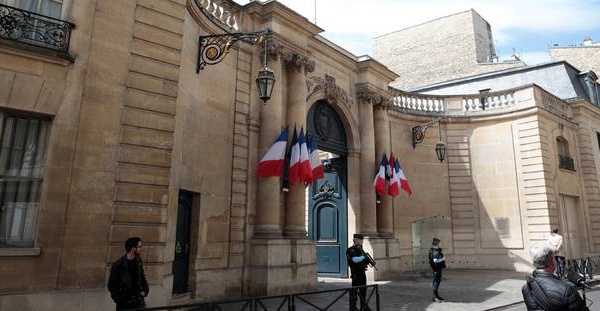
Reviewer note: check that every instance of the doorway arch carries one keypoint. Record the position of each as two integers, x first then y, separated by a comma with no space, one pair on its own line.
328,199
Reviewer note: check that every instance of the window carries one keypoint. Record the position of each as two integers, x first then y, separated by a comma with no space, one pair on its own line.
23,144
591,87
52,8
564,159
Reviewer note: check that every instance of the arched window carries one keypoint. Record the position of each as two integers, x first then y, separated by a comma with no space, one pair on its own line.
565,160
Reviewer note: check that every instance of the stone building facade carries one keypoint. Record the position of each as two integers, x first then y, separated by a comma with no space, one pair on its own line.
117,135
443,49
585,56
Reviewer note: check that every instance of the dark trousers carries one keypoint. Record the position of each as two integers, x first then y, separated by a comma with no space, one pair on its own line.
359,278
137,303
437,278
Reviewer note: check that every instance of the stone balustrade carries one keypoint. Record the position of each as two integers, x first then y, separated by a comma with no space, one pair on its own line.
218,10
405,101
465,105
498,100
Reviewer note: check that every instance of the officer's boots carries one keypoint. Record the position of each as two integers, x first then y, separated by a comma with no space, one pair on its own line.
436,296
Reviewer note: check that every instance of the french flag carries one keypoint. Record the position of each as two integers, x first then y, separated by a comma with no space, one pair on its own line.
403,181
272,163
380,178
315,160
394,188
389,169
305,167
294,173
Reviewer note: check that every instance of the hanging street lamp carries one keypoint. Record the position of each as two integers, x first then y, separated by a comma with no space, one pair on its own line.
212,50
419,134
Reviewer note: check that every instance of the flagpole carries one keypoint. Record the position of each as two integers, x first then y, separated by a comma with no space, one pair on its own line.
315,12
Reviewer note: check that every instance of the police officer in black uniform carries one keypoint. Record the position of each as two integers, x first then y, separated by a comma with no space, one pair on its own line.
437,261
357,261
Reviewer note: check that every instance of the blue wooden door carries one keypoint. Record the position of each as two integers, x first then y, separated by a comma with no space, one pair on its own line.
328,219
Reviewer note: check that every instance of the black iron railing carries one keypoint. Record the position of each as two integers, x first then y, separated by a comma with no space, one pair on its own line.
34,29
566,162
334,299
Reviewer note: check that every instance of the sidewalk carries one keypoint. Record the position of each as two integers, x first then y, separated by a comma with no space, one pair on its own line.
462,289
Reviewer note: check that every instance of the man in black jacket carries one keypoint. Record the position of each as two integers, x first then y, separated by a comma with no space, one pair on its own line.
127,282
543,290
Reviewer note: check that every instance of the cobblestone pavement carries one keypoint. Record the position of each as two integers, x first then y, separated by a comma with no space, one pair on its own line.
462,289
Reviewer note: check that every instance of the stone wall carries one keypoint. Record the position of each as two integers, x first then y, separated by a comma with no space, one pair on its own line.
143,205
443,49
503,187
56,90
584,58
587,116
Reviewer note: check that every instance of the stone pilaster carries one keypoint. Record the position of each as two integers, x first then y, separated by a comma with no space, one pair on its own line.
283,260
269,210
385,215
368,220
295,199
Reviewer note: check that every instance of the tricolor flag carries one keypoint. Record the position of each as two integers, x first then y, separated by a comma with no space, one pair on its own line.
315,160
403,181
394,188
294,173
272,163
389,169
305,167
380,178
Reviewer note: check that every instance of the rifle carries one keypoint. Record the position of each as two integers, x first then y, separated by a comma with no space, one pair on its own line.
372,261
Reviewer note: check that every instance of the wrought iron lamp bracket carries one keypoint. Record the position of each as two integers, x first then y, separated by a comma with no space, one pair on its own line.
213,49
418,131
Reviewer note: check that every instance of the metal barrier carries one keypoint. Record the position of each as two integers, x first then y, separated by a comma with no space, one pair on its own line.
583,267
333,299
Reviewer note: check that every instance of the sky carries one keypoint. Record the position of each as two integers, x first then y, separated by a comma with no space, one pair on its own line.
524,27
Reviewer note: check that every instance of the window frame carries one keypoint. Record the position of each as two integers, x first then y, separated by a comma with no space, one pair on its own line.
565,161
63,8
30,249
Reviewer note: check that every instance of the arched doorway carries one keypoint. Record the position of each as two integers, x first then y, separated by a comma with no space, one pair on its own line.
328,203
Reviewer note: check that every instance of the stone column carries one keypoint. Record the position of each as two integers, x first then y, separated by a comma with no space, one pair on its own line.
268,210
354,194
368,222
295,199
385,213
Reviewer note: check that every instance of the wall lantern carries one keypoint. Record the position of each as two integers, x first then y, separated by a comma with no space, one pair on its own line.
419,134
213,49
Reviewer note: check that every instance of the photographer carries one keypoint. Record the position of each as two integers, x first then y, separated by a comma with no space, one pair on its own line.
543,290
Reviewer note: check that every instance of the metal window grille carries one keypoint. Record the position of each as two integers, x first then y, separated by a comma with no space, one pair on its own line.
23,145
22,24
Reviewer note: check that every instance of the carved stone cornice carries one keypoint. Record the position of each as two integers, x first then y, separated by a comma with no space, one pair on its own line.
333,93
369,95
274,51
293,60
